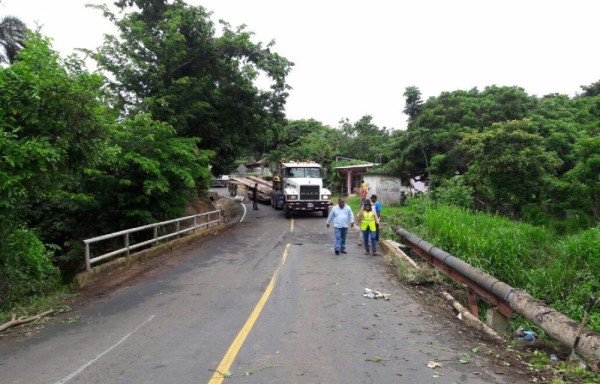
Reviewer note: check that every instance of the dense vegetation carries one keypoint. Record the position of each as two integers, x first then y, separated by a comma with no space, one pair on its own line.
83,154
529,158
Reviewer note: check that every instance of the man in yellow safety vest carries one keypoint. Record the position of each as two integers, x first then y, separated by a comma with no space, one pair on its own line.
368,225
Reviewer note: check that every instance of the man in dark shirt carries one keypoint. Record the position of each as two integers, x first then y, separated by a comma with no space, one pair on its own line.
255,196
377,206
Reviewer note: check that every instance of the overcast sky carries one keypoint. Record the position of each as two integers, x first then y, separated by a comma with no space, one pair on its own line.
354,58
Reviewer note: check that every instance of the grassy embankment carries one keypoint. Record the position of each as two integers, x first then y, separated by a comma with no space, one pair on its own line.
560,270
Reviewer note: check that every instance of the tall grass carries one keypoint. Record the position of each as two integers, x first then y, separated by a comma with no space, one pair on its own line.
562,271
578,259
493,244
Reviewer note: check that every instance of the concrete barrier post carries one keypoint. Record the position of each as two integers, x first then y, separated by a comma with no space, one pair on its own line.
497,321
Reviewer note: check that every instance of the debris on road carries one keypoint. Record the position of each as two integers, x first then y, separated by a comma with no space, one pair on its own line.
373,294
22,320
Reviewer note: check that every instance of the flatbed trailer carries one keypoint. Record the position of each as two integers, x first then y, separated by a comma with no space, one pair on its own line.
241,185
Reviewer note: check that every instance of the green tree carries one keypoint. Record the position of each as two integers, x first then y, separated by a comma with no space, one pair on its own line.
585,176
294,132
150,174
306,140
53,129
413,104
364,140
429,150
65,157
554,119
591,90
51,123
41,146
169,62
12,38
509,166
406,156
504,104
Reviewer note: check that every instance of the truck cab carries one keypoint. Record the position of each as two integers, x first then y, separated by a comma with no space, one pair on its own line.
298,187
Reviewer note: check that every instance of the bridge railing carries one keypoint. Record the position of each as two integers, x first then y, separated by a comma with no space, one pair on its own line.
180,226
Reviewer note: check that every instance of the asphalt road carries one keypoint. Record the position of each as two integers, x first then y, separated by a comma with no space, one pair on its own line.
267,301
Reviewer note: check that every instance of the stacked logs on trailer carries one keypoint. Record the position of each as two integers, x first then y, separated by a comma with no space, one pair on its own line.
241,186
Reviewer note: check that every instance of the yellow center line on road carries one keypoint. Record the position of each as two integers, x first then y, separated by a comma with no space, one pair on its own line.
285,253
222,370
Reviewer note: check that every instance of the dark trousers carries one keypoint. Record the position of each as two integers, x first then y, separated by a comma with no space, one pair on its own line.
255,203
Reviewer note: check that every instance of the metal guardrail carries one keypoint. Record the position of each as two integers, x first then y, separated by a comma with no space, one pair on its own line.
505,298
489,288
210,218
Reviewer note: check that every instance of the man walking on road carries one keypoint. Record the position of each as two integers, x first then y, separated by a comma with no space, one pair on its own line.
377,208
342,218
255,196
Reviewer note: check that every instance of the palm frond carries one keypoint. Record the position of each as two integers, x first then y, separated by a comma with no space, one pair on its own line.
12,37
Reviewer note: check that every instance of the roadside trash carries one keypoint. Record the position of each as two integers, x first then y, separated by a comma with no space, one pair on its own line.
373,294
529,336
526,335
553,357
433,364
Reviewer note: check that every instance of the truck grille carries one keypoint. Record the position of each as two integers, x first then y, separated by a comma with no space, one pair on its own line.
309,192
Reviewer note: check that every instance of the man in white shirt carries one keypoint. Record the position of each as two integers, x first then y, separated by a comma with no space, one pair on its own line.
343,218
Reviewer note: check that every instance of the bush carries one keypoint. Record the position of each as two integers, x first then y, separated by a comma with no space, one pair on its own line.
25,266
454,192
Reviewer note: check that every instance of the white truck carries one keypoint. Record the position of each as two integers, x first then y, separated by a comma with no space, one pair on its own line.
298,187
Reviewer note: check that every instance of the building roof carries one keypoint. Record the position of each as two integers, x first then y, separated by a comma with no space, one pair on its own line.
356,166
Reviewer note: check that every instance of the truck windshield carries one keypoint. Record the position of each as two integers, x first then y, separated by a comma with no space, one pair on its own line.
303,172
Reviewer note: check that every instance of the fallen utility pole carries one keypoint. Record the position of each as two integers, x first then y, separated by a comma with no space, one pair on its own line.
469,318
495,292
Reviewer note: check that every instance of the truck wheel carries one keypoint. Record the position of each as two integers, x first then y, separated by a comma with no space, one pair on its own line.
288,213
278,200
325,213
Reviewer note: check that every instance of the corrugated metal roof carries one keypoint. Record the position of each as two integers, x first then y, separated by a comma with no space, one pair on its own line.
367,165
